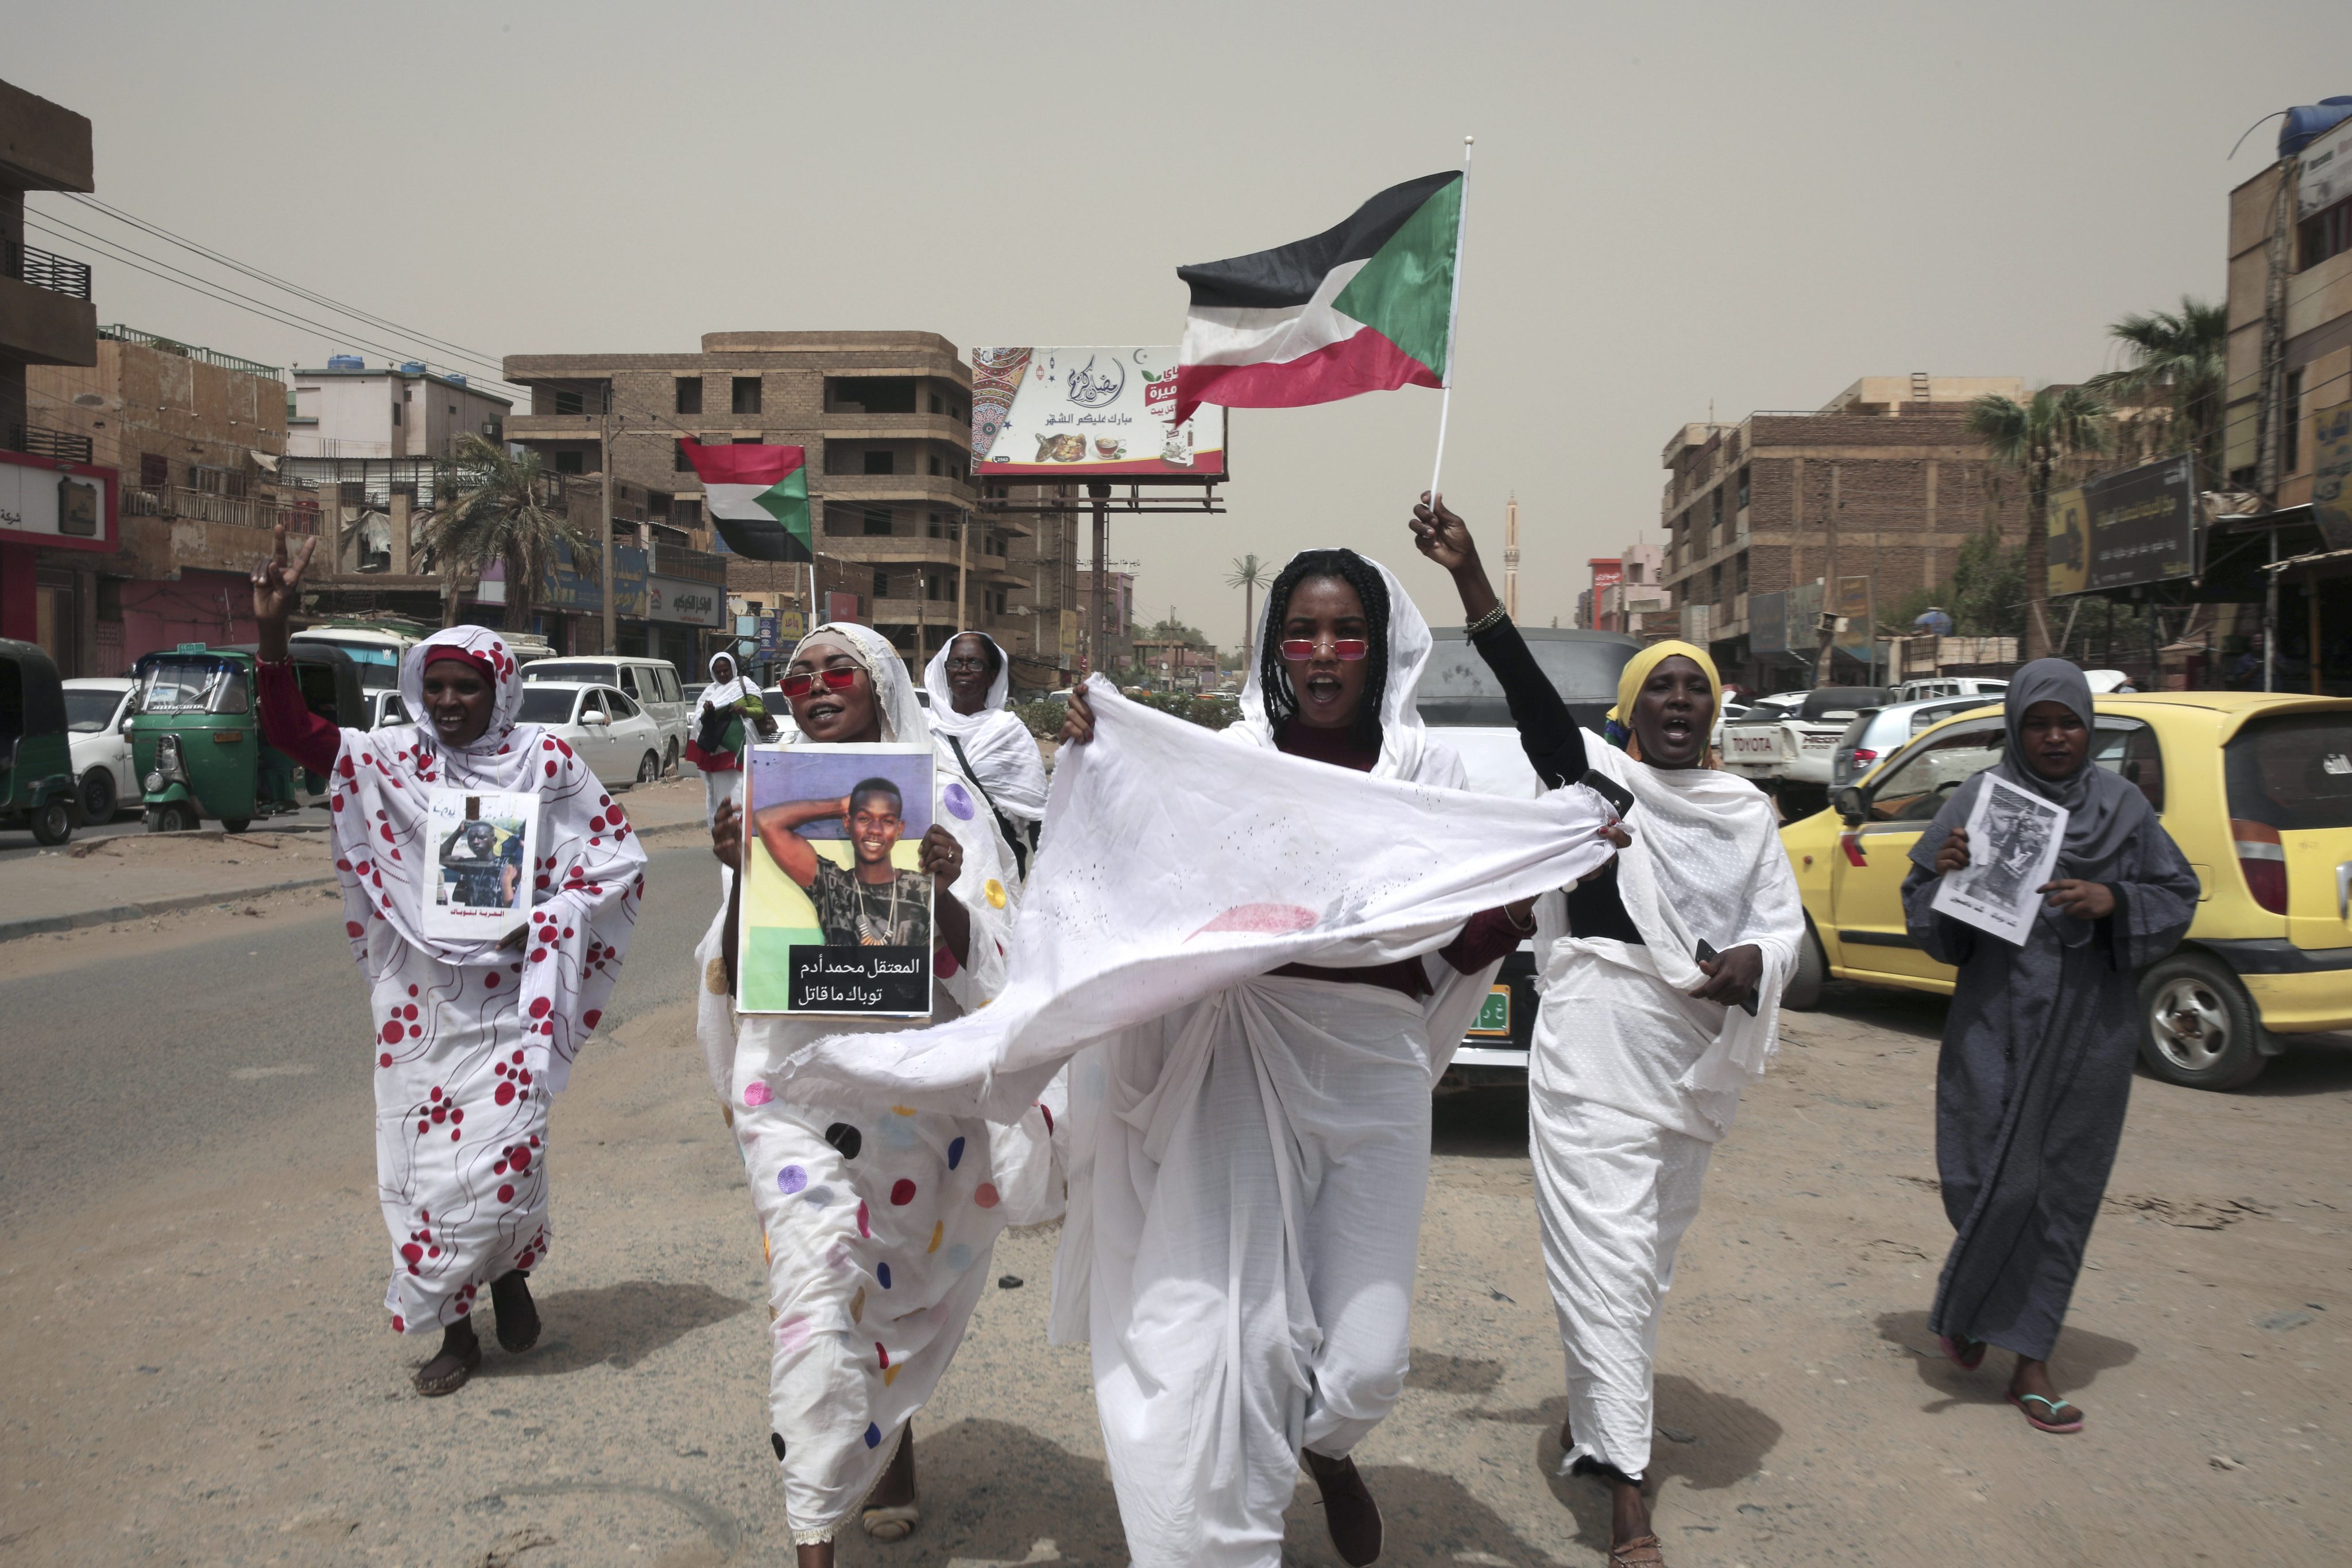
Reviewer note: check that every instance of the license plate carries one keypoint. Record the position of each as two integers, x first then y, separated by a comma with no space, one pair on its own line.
1493,1013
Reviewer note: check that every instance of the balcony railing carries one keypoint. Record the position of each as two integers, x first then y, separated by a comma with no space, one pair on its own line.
207,507
58,273
36,441
122,334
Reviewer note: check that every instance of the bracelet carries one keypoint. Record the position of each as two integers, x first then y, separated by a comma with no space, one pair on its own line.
1487,623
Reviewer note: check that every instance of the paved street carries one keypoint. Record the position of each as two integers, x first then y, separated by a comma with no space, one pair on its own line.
201,1372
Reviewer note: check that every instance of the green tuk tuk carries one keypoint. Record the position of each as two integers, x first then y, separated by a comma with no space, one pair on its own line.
197,741
36,782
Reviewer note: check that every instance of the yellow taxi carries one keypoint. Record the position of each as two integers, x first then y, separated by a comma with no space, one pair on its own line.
2256,788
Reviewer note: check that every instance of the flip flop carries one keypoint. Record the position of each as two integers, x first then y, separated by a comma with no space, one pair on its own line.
1968,1354
890,1525
2054,1407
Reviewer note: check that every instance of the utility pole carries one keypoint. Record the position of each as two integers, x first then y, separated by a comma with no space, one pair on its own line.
1101,493
604,567
1511,556
963,569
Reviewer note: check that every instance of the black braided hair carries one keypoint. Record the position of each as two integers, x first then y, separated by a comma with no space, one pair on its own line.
988,650
1274,676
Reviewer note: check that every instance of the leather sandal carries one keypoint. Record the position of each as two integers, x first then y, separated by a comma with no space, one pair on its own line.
1642,1552
447,1374
890,1525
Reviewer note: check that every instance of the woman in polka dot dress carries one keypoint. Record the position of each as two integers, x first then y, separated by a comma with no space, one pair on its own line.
473,1039
876,1222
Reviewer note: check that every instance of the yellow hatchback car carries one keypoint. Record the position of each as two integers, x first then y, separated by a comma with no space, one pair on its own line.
2256,788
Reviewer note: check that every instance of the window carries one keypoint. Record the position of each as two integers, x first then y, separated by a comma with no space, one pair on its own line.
881,585
2291,437
1739,573
629,680
154,470
665,687
395,414
935,466
936,407
2325,233
2128,747
872,394
749,441
1743,489
1717,526
677,459
877,522
690,394
571,463
623,707
747,394
1915,787
592,701
937,531
880,462
567,402
545,704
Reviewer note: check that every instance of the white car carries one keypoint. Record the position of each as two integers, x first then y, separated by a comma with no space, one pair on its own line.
1878,732
385,709
651,683
97,708
608,729
1951,686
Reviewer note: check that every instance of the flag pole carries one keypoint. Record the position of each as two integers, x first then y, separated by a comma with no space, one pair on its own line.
1453,315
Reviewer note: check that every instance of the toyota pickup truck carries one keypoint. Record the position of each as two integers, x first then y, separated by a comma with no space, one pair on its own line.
1789,755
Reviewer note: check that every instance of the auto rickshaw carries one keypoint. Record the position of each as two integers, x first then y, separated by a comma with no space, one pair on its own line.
36,782
196,740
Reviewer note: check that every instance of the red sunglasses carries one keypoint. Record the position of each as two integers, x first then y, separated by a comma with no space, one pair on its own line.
1348,648
802,685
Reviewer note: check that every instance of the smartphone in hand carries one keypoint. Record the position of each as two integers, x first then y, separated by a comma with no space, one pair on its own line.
1705,952
1620,799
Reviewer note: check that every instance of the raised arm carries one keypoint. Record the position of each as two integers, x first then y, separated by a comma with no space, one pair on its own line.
287,721
1547,731
776,825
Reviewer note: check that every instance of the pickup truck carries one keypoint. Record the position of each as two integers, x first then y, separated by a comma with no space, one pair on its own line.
1788,755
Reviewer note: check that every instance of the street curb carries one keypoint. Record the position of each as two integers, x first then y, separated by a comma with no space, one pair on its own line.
45,924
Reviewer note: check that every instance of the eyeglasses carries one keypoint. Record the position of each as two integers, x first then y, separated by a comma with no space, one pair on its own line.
800,685
964,663
1348,648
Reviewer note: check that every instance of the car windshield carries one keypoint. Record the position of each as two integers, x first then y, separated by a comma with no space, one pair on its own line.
378,667
87,710
546,705
1457,688
572,669
2293,772
193,686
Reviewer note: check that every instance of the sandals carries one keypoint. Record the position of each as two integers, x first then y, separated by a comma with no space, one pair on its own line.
2052,1406
447,1374
1968,1354
518,1317
889,1525
1642,1552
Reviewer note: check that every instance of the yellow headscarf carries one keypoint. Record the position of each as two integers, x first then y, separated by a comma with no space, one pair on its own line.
1636,674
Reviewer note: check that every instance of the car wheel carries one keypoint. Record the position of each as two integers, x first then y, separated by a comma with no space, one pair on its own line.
1810,972
52,823
669,759
170,818
236,824
649,770
98,796
2199,1029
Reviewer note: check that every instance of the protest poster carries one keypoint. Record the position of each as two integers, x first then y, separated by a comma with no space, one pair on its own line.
484,846
836,911
2014,840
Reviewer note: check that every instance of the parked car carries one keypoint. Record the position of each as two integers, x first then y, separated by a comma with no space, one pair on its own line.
98,726
1787,753
1951,686
2256,788
37,779
385,708
618,740
651,684
1462,705
1878,732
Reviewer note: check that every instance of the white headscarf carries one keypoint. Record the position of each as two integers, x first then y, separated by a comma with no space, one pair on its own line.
1406,747
719,693
1002,750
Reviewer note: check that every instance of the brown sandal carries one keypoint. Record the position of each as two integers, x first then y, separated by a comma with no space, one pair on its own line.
1642,1552
447,1373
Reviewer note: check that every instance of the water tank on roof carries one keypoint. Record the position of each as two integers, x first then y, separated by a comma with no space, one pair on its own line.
345,362
453,376
2308,123
412,366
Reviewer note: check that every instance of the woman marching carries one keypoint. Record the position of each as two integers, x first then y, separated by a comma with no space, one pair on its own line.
474,1038
2037,1060
1258,1159
877,1223
728,715
1660,1001
968,681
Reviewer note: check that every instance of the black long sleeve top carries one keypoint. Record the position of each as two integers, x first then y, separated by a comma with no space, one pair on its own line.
1555,747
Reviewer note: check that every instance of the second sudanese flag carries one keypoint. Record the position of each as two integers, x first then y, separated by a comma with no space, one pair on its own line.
758,498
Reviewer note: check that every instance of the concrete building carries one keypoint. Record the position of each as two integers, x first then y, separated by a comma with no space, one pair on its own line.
1637,592
47,588
1883,483
345,409
885,418
2290,305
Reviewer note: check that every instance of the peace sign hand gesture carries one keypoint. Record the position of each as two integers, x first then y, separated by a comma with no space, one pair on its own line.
278,581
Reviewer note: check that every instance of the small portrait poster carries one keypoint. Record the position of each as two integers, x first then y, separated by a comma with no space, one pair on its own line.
2013,841
836,911
483,847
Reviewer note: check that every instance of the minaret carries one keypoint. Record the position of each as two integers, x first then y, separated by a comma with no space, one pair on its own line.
1511,556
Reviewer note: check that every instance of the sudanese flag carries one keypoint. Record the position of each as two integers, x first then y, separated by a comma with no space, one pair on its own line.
1365,306
758,496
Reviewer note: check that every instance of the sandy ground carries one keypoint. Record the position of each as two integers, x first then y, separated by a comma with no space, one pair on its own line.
200,1370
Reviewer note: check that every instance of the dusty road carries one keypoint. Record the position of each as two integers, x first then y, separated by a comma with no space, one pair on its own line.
199,1370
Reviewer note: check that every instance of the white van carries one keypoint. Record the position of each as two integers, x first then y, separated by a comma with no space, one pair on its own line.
654,684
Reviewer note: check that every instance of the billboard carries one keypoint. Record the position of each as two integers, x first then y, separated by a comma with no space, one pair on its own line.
56,505
2138,526
680,602
1087,413
2069,527
2325,177
2331,475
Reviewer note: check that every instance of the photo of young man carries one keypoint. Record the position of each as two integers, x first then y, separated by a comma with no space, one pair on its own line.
872,905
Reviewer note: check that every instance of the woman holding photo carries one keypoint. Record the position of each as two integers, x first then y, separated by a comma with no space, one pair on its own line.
473,1039
876,1222
1661,1002
2036,1066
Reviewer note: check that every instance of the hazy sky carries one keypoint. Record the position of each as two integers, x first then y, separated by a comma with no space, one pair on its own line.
1742,204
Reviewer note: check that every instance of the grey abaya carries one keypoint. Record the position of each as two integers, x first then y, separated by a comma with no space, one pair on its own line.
2036,1064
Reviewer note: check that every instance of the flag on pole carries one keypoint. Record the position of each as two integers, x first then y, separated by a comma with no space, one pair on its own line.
1365,306
758,496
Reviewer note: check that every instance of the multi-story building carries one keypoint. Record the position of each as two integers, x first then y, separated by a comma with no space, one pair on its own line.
886,419
47,580
2290,310
1619,605
393,414
1883,483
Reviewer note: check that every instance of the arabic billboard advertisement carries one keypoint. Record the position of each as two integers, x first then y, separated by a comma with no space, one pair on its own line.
56,504
2142,525
680,602
1087,413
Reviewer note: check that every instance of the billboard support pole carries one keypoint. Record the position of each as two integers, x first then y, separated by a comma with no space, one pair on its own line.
1099,653
1452,320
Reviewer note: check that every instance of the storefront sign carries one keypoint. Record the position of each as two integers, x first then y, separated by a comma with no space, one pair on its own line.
2331,475
1087,412
56,504
685,603
2139,526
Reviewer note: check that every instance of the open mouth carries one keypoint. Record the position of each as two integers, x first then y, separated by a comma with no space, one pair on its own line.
1322,690
823,711
1677,729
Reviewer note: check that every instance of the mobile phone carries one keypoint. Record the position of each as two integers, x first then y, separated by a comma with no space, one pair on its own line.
1609,789
1706,952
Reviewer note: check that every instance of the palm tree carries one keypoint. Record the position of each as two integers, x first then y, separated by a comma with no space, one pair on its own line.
1249,575
487,507
2033,438
2181,356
